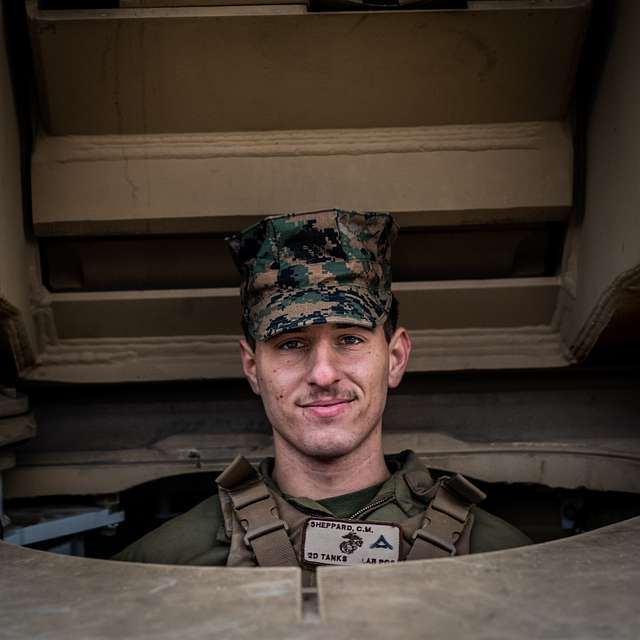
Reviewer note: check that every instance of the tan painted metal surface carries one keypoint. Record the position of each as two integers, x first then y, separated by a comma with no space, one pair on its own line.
223,182
443,118
215,357
17,253
118,336
497,303
56,596
594,463
17,428
583,587
608,260
196,69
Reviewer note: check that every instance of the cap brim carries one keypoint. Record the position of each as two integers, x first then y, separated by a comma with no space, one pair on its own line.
288,311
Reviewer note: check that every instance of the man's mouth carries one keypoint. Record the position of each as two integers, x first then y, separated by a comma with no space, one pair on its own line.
328,408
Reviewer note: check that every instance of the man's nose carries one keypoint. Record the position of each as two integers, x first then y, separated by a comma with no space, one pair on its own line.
323,369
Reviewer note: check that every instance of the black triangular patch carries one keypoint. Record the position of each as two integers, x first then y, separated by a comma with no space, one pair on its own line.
381,543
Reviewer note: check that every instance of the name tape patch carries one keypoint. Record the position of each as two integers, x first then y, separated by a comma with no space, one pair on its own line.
348,542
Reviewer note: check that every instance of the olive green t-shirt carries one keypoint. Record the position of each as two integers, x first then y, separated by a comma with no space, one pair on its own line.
198,538
346,505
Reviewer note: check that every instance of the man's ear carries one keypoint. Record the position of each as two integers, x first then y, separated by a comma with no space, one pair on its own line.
399,352
249,367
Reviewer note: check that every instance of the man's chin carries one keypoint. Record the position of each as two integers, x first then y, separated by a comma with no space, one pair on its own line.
328,448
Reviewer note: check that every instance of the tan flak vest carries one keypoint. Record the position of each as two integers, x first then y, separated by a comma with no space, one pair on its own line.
266,530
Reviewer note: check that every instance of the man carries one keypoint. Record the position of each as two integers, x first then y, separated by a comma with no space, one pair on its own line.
321,349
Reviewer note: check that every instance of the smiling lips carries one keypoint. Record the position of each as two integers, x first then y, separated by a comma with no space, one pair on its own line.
327,408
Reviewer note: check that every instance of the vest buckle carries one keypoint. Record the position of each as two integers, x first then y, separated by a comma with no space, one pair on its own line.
263,530
436,541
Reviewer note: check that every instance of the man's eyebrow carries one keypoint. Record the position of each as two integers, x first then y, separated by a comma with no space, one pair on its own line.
347,325
302,330
285,334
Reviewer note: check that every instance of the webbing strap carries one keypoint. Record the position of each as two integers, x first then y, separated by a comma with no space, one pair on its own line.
445,519
257,512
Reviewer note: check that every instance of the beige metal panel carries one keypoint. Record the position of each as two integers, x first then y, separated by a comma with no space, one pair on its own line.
17,428
127,314
213,357
458,304
220,182
75,598
592,463
204,69
608,273
583,587
191,334
513,302
16,252
197,261
579,588
229,223
145,359
465,349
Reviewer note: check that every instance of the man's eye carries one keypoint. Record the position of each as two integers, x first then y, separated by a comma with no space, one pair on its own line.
350,340
290,345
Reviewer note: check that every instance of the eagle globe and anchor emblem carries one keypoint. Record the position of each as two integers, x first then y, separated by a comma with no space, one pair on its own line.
352,542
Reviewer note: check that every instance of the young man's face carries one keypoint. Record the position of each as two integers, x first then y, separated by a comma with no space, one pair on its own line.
324,387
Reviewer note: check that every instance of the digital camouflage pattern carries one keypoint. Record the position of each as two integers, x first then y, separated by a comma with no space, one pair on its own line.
311,268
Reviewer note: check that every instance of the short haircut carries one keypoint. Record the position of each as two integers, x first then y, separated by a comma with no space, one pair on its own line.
391,322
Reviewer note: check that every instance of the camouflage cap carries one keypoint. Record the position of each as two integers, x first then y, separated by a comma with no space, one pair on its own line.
311,268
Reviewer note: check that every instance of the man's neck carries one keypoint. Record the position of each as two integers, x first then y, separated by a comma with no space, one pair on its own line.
303,476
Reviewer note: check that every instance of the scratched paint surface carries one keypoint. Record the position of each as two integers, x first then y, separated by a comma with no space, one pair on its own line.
583,587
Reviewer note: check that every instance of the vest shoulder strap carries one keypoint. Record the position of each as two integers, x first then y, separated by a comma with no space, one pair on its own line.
257,512
445,520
